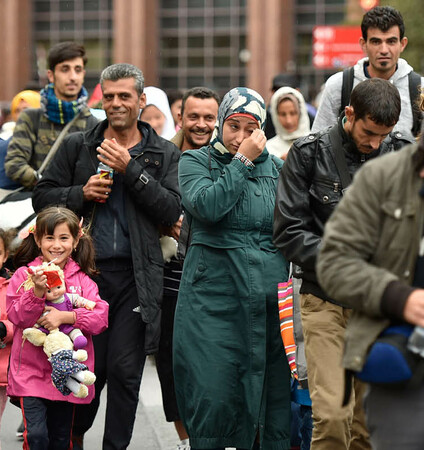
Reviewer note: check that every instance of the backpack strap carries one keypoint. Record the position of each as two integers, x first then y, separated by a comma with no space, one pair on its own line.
414,80
336,149
347,86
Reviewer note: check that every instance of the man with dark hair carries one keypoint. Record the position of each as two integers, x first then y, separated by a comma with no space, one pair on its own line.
382,41
199,110
63,101
318,169
125,212
372,260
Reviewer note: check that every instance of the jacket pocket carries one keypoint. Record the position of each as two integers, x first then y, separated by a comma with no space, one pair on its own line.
397,223
325,194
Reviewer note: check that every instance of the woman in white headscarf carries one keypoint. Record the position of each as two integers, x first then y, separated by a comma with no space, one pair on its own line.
290,118
157,112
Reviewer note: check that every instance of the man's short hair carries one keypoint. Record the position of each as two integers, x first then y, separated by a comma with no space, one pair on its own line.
65,51
199,92
383,18
378,100
116,72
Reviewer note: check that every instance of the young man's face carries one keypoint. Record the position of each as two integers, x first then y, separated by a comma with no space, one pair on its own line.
68,78
198,121
383,49
122,103
366,134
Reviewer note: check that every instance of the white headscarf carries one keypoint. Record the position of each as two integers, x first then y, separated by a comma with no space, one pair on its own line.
158,98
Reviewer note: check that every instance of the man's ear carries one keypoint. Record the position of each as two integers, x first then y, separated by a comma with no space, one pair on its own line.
403,43
142,101
363,44
349,113
180,120
50,76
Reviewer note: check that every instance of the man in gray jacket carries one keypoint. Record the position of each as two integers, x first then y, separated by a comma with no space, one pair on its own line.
372,259
383,41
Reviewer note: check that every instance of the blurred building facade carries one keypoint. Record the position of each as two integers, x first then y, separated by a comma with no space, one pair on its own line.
177,43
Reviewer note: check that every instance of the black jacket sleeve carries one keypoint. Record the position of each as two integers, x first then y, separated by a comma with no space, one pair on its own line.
159,197
294,232
63,180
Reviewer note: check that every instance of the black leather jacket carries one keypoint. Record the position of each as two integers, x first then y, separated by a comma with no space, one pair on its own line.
309,189
152,198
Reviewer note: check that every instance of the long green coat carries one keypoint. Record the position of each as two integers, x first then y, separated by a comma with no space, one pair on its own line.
231,376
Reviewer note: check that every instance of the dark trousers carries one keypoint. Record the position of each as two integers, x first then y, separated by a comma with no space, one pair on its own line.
164,359
255,447
47,423
119,360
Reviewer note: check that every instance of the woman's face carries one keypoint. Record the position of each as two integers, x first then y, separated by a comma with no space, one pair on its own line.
288,115
154,118
235,130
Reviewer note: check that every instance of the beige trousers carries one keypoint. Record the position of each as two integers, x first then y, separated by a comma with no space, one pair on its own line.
335,427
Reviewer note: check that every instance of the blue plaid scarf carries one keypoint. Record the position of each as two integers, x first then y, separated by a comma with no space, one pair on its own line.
61,111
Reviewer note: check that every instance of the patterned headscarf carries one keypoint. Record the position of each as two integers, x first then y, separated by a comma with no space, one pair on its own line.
239,100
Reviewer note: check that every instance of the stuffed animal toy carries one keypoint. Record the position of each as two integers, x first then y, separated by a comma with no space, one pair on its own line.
169,247
68,374
57,297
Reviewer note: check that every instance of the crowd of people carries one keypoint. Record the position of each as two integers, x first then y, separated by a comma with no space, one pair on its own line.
165,228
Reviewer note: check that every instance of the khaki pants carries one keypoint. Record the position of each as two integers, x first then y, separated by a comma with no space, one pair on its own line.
335,427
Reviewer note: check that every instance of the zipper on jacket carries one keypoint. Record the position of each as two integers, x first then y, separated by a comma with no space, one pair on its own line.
335,185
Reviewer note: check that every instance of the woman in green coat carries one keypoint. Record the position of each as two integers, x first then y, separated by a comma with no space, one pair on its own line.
231,376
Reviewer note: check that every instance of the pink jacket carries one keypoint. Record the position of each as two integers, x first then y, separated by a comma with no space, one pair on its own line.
4,352
30,370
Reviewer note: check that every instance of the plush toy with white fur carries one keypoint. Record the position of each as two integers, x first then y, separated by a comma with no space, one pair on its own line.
68,374
169,247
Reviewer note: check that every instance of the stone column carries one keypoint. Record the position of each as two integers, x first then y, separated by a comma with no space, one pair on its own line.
15,51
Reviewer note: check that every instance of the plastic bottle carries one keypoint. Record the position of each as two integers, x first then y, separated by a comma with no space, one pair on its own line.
416,341
105,172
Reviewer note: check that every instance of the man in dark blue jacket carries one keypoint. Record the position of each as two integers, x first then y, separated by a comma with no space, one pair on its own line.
123,213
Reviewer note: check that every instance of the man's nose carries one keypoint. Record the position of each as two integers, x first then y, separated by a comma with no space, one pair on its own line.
375,142
116,102
201,122
384,48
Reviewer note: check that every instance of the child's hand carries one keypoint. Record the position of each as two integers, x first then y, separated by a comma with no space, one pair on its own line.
52,318
90,305
40,283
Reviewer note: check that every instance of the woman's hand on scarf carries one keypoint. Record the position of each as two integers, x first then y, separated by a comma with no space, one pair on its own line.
254,145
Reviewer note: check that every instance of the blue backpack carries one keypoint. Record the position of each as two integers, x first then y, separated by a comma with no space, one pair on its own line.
389,362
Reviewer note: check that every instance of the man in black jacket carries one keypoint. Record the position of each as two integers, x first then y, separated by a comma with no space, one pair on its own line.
123,214
317,170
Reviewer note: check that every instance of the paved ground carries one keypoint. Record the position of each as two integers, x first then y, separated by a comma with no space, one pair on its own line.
151,431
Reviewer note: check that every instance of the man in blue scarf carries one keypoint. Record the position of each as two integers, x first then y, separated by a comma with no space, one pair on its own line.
62,100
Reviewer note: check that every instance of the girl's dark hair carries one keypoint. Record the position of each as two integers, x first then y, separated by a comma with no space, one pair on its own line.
47,220
7,237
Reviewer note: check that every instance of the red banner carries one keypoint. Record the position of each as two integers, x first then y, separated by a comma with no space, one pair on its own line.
336,46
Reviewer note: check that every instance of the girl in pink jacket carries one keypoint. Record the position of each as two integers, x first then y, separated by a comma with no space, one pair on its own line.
6,327
57,236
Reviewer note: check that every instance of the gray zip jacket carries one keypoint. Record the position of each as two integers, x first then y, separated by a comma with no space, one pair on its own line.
329,107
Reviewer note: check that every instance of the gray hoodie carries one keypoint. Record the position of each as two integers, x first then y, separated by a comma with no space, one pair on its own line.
328,110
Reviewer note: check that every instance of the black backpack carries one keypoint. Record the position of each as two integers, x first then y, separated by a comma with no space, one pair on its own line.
414,80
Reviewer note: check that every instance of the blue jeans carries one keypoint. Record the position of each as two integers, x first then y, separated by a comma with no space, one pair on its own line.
301,426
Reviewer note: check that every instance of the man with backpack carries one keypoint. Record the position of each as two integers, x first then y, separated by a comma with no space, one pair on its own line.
317,171
63,110
383,41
